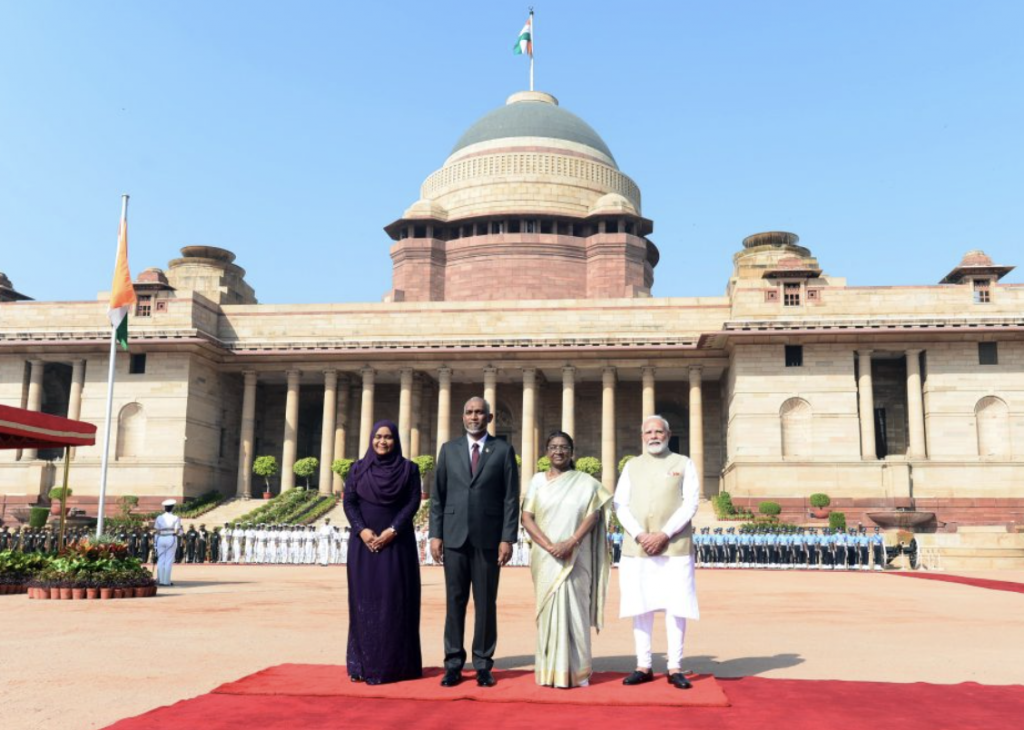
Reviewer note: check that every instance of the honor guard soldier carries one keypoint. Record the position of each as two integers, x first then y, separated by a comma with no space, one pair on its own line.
811,541
745,543
731,548
878,549
190,544
202,544
168,532
215,545
719,548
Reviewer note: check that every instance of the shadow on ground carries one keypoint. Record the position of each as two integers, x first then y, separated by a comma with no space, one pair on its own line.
702,664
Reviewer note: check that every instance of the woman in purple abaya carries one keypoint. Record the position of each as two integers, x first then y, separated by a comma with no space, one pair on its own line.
382,494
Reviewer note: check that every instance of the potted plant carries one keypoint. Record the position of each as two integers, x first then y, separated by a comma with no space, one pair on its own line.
819,502
56,495
266,467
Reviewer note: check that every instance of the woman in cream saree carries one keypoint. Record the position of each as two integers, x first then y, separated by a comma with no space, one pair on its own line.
565,513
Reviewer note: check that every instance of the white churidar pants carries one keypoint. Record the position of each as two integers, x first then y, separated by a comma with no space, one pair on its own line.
675,631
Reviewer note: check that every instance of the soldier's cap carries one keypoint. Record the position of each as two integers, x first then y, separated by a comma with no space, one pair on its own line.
169,502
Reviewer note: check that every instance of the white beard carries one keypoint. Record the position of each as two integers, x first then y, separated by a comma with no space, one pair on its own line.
655,449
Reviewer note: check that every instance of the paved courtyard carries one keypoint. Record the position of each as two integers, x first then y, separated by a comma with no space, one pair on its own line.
85,665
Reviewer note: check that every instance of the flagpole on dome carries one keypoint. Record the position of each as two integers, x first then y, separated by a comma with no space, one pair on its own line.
532,36
122,295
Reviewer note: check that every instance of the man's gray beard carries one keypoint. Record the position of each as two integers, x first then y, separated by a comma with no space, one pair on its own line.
656,449
476,434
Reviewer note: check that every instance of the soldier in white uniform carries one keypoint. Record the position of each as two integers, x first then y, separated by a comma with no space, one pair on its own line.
260,552
323,542
237,534
345,535
655,501
225,543
168,531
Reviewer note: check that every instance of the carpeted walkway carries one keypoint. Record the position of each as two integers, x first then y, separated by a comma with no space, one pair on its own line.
994,585
754,702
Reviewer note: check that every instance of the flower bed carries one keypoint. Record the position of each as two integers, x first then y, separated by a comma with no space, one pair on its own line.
92,569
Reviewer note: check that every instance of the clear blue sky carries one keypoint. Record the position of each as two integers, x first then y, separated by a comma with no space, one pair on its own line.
888,135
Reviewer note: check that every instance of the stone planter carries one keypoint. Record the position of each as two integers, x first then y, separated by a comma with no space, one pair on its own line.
92,593
78,594
820,513
106,593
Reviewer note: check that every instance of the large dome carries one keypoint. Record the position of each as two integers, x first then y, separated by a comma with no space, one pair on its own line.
533,114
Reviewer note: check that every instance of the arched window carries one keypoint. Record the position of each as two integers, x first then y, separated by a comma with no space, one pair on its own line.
993,419
131,431
795,419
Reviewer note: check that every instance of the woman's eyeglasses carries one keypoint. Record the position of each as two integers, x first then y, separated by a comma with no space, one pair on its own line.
558,448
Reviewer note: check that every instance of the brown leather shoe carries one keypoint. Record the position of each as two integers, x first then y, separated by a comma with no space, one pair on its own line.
638,677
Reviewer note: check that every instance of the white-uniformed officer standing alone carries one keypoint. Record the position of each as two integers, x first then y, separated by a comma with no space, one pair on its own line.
168,530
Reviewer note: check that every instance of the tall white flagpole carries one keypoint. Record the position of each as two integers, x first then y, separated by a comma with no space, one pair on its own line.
105,461
533,43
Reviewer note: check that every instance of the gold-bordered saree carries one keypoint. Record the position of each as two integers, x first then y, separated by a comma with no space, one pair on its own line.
570,593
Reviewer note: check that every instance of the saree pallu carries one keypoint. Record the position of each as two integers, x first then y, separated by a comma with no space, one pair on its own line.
570,593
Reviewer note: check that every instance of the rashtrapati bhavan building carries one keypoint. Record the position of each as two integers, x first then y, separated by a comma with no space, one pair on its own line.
523,272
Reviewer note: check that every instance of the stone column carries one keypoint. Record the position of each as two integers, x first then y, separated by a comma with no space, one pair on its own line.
444,407
75,397
915,406
697,423
405,410
327,430
417,416
366,416
243,487
608,461
491,396
341,429
529,453
866,397
291,431
569,400
35,399
650,407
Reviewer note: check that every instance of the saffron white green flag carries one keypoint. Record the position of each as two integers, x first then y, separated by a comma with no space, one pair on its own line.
122,293
524,45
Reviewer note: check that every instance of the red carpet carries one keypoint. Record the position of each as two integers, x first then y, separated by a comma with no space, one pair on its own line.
755,703
994,585
606,688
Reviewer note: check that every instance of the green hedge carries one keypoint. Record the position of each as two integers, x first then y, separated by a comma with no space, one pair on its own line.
837,521
770,509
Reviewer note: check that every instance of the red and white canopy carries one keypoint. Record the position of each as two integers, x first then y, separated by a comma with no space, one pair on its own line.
21,429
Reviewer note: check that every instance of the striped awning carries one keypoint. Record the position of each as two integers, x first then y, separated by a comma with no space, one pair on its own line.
21,429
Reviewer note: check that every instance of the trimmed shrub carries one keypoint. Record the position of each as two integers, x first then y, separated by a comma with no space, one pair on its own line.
625,460
837,521
306,468
266,467
770,509
819,500
425,463
37,516
57,493
342,467
543,463
589,465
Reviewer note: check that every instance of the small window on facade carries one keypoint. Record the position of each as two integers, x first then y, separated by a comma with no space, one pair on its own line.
982,291
771,295
161,305
529,226
794,356
137,365
403,234
791,294
988,353
497,227
611,227
144,306
630,228
419,232
546,226
514,226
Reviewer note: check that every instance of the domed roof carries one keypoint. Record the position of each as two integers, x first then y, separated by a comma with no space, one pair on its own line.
533,114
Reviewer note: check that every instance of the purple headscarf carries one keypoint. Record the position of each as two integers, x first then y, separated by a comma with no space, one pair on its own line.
383,479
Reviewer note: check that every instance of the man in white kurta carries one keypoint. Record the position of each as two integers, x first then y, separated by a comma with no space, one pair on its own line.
168,531
655,501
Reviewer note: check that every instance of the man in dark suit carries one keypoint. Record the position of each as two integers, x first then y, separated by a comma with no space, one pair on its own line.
474,521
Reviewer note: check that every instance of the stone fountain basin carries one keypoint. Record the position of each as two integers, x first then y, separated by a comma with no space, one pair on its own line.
904,519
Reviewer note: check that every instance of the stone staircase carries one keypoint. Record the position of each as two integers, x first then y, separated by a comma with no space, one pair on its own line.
972,547
225,512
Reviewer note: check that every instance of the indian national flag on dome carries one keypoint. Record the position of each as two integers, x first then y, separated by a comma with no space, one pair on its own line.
524,45
122,293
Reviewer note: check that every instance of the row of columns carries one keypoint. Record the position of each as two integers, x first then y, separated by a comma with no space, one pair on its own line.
334,431
916,446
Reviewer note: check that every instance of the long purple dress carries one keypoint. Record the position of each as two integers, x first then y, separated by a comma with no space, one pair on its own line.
383,587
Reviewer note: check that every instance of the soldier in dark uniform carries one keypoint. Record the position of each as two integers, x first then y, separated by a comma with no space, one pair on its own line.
144,545
5,538
202,541
191,537
215,545
132,541
179,552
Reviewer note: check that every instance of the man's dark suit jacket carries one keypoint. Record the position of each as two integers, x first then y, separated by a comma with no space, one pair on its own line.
482,509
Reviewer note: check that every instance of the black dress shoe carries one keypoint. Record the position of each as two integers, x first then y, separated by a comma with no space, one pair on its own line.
638,677
451,677
355,678
679,681
484,678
